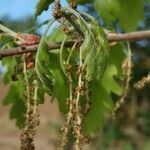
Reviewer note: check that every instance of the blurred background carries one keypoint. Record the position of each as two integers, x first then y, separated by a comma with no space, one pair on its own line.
131,130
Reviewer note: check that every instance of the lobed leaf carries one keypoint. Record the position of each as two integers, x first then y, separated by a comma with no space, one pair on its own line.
49,70
101,102
109,82
16,99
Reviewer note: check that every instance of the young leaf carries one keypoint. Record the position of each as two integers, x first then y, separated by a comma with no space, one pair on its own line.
10,69
54,36
9,63
49,70
50,73
117,50
95,49
61,90
40,92
101,102
109,82
97,60
15,97
42,64
41,6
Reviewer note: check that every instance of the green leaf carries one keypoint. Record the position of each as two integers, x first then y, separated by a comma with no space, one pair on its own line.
43,62
128,12
61,90
47,64
98,57
18,111
95,48
134,9
117,50
10,69
5,40
16,99
101,102
41,6
9,63
101,91
49,70
40,92
108,9
114,69
108,81
54,36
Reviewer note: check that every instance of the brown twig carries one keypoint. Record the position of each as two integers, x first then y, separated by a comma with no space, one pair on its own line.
26,49
112,37
133,36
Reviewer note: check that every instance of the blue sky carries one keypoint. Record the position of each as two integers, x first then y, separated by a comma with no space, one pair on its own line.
16,9
19,9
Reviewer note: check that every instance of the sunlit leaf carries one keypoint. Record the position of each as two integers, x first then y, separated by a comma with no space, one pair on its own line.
109,82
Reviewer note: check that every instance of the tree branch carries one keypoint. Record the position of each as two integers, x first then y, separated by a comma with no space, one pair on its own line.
112,37
133,36
26,49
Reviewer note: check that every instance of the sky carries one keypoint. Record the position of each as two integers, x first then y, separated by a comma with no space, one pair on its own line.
19,9
16,9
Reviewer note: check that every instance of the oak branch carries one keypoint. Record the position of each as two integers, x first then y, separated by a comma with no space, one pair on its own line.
112,37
